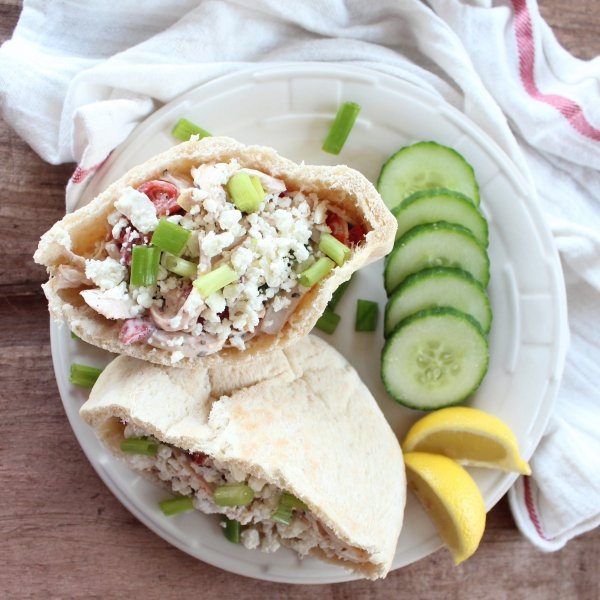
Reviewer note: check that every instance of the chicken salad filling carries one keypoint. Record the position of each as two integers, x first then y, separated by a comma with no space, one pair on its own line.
199,261
268,517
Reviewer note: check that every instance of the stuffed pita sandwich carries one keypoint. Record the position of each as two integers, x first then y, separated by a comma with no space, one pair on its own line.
209,250
294,450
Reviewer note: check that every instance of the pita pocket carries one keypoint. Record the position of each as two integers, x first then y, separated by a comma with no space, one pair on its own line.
211,251
315,463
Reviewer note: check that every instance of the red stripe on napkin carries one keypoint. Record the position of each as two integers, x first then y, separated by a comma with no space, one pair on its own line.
526,47
80,175
532,511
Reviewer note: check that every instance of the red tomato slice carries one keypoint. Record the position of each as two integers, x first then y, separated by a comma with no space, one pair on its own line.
357,234
163,195
199,458
339,227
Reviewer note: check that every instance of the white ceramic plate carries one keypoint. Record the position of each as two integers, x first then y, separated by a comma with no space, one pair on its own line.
290,108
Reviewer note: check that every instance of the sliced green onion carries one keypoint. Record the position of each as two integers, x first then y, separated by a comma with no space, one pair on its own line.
331,246
74,336
232,530
170,237
244,193
367,312
337,295
233,494
341,127
140,445
215,280
144,265
316,272
83,375
328,321
179,266
258,186
172,506
287,504
184,130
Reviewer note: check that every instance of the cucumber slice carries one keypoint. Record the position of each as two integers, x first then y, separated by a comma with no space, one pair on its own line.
438,287
422,166
430,206
434,358
436,245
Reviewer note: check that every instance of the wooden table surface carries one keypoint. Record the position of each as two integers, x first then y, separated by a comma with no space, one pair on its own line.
64,535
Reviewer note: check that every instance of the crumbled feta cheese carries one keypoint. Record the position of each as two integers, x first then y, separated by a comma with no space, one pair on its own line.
138,208
280,302
250,538
228,218
177,356
143,295
216,302
106,274
213,244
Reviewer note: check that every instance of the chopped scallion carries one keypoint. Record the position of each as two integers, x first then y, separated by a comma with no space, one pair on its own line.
215,280
232,530
258,186
367,313
170,237
287,504
244,193
184,130
172,506
316,272
83,375
140,445
179,266
74,336
144,265
333,248
233,494
328,321
341,127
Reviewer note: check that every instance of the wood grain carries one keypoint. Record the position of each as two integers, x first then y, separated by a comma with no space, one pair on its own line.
64,535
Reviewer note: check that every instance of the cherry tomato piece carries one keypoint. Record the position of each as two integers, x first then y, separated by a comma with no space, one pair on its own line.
163,195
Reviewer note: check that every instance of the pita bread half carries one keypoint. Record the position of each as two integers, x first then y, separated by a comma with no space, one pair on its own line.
78,235
300,419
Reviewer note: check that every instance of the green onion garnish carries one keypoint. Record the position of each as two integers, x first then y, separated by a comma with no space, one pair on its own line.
74,336
367,312
328,321
170,237
337,295
287,504
333,248
146,446
316,272
172,506
83,375
341,127
233,494
215,280
179,266
184,130
144,265
232,530
258,186
244,192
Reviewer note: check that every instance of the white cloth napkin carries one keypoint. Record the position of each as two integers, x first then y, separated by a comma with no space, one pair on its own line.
77,77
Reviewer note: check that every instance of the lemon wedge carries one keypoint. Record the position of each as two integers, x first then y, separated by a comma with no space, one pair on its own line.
470,436
451,498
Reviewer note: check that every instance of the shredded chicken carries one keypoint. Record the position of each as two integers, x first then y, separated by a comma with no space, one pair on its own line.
198,475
